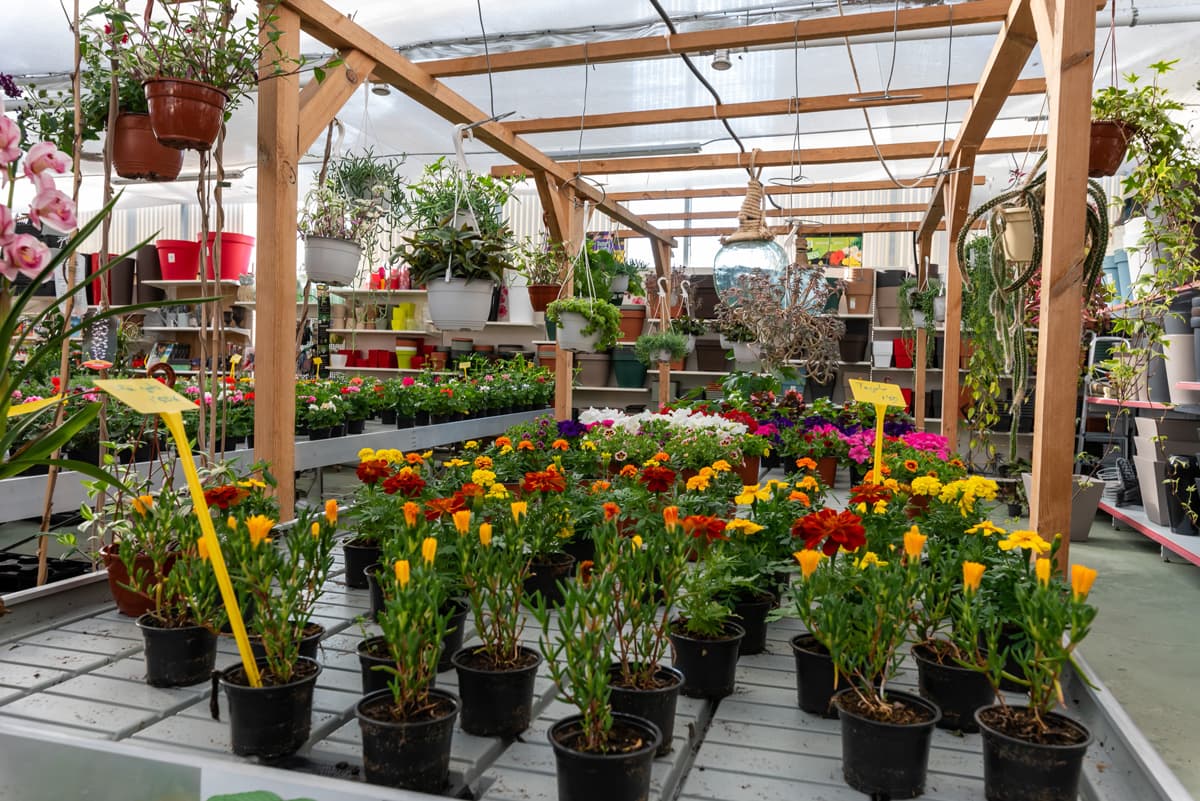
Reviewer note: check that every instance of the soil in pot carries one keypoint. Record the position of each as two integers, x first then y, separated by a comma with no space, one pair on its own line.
708,664
815,685
270,721
359,554
414,752
497,699
653,703
957,691
1021,760
177,656
886,758
544,577
750,612
313,632
622,773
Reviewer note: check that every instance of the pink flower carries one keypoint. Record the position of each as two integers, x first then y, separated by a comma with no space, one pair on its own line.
26,255
192,390
8,225
45,157
408,381
10,144
53,207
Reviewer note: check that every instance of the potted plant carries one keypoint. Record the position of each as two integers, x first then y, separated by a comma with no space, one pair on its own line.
337,230
917,311
496,678
543,265
665,346
738,339
585,324
543,521
459,268
689,327
384,485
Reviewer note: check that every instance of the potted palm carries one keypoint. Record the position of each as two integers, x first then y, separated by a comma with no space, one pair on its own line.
337,230
586,325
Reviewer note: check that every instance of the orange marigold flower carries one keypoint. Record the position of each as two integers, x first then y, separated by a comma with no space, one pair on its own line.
525,445
611,510
658,479
544,481
661,457
502,441
800,497
411,510
585,571
628,471
560,445
600,486
805,463
705,526
413,458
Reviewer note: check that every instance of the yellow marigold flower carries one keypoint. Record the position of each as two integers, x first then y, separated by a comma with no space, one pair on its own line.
483,462
484,478
498,490
587,445
599,486
808,484
914,542
926,485
987,528
880,507
743,525
808,560
1042,569
455,462
366,454
411,510
560,445
744,499
331,511
506,449
202,549
805,463
316,529
142,504
698,483
1082,579
868,559
649,463
259,527
671,517
427,454
628,471
972,573
462,521
401,570
1028,540
519,510
637,542
485,534
470,444
429,550
721,466
861,509
393,455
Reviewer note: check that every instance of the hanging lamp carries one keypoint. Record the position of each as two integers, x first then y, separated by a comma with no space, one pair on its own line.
752,247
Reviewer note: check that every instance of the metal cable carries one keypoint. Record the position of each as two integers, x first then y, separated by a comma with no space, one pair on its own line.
487,57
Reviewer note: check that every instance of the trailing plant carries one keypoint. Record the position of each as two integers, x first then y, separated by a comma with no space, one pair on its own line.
689,326
372,180
650,347
444,191
986,361
917,299
602,317
634,270
330,212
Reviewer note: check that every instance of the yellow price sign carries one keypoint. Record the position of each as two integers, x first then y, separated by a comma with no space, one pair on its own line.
32,406
146,395
876,392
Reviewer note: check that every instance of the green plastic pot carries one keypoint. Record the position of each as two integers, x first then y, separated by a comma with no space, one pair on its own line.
629,371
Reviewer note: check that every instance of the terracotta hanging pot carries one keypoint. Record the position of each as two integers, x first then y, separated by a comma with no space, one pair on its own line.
1110,138
542,295
137,153
185,115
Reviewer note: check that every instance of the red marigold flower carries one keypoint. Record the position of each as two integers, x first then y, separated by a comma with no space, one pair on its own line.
470,490
406,483
658,479
225,496
585,571
437,507
704,526
870,494
611,510
372,471
544,481
837,529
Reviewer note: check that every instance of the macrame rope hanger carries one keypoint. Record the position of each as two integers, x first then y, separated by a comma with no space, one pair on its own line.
752,225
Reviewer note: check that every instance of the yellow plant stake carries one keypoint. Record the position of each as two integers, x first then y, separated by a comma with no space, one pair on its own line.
33,406
148,396
882,396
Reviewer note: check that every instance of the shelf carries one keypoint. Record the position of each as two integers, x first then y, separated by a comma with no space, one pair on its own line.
373,331
166,329
700,373
1129,404
905,369
384,295
510,324
940,330
226,283
1135,518
386,370
855,364
1192,385
866,316
611,389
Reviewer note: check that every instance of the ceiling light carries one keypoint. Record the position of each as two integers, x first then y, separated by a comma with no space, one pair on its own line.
380,88
721,60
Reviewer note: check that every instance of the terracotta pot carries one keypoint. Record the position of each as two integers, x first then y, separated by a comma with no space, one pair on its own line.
748,470
129,601
1109,140
186,115
137,153
542,295
633,320
827,470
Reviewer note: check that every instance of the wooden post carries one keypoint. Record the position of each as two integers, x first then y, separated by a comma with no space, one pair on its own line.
564,220
958,199
1066,36
275,362
664,383
921,384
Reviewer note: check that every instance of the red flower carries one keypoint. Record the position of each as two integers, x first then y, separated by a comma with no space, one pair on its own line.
838,530
544,481
408,484
738,416
585,571
710,528
470,490
225,497
371,471
658,479
437,507
248,396
611,510
870,494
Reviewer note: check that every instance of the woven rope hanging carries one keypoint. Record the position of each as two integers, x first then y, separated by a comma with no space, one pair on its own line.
752,225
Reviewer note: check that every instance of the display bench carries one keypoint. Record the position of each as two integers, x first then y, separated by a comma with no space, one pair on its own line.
22,498
1183,547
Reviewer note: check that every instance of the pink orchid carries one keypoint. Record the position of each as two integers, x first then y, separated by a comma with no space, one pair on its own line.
53,207
8,225
26,255
42,158
10,144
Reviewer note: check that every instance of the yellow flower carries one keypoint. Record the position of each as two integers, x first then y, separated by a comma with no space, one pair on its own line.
698,482
861,509
914,542
926,485
202,549
867,559
744,499
637,542
1042,569
880,507
743,525
429,550
519,510
259,527
505,450
987,528
721,466
252,483
401,570
316,529
427,454
1028,540
366,454
331,511
1082,579
462,521
485,534
650,463
972,573
808,560
411,510
394,455
470,445
455,462
484,478
498,491
232,522
587,445
142,504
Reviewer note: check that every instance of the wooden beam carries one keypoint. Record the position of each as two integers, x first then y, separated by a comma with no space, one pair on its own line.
1068,58
908,19
959,204
781,158
799,189
814,211
334,29
275,323
571,231
762,108
811,231
320,102
920,379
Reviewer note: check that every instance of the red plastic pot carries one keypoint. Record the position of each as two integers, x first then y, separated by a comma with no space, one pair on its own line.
902,352
179,259
236,251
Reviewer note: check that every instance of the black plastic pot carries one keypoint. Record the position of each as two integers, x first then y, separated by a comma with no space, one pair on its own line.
886,760
1015,769
387,417
413,755
319,433
584,776
405,420
543,577
452,642
268,721
375,680
751,614
815,684
657,705
708,666
177,657
355,426
581,549
957,691
357,558
1183,507
308,645
374,589
495,703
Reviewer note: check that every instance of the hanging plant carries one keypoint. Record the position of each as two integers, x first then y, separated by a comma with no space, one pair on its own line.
601,322
651,348
916,310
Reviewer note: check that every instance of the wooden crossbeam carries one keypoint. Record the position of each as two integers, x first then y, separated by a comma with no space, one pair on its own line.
762,108
320,102
782,158
799,189
814,211
809,230
908,19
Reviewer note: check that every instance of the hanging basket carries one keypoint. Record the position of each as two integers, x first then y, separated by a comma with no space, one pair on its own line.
1018,233
331,261
137,153
1110,139
185,115
458,304
542,295
571,336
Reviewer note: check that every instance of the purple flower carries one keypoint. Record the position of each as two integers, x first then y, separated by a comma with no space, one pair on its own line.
570,429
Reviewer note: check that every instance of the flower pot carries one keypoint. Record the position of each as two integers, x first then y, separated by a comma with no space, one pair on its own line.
269,721
750,612
186,115
633,321
331,261
236,252
453,639
656,704
957,691
710,356
902,350
748,470
827,470
815,683
619,284
177,657
311,640
372,653
495,703
1018,233
414,755
130,601
137,153
359,556
459,305
883,759
179,259
1085,500
593,369
544,576
1110,138
1015,769
629,371
355,426
387,417
571,336
619,775
542,295
708,665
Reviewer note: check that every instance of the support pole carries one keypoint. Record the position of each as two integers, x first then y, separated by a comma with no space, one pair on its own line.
921,384
664,383
564,221
958,200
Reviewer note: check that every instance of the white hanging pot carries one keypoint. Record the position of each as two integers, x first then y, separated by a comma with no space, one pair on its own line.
571,336
939,309
691,343
1018,233
620,284
331,261
918,318
664,355
458,304
744,352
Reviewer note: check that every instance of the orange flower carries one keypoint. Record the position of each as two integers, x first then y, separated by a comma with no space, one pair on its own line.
671,517
1042,568
316,529
972,573
914,542
202,549
1082,579
413,458
661,457
259,527
429,549
485,534
560,445
600,486
411,510
705,526
462,521
628,471
142,504
805,463
402,573
585,571
611,510
525,445
502,441
802,498
911,465
331,511
483,462
808,560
